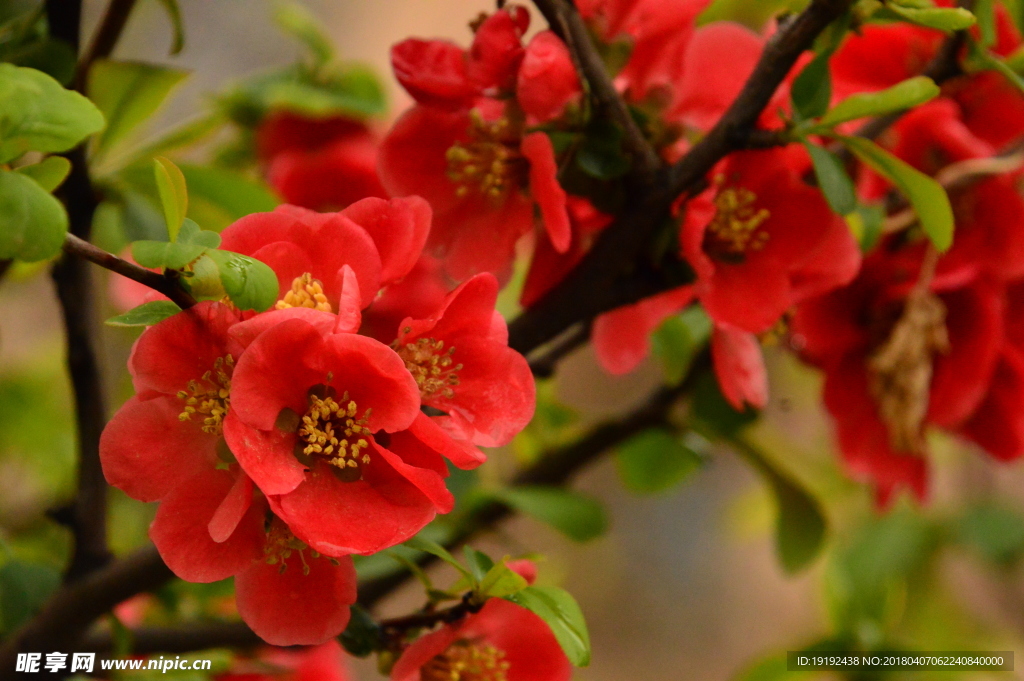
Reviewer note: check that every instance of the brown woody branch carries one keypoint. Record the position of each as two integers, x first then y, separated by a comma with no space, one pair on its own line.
162,283
567,23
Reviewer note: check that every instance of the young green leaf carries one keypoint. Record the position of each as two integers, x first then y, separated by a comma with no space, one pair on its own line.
943,18
985,12
995,532
33,224
300,23
170,184
479,563
929,199
866,224
654,461
435,549
578,517
501,581
174,13
833,179
904,95
128,93
812,89
146,314
48,173
678,340
161,254
251,284
230,193
191,233
362,636
561,612
37,113
25,587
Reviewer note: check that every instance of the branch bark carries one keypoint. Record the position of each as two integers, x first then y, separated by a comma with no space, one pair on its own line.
161,283
615,268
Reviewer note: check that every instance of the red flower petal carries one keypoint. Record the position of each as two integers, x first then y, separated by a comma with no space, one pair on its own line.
231,511
292,608
547,79
621,338
268,457
146,450
432,435
739,367
433,72
399,229
550,196
181,535
497,49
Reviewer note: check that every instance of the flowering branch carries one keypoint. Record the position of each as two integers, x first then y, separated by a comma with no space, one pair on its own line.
161,283
616,265
145,571
565,21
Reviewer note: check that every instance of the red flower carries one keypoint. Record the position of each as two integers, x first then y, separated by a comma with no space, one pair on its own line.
739,367
621,337
378,240
317,421
464,147
166,444
419,294
761,240
464,367
323,164
843,331
502,641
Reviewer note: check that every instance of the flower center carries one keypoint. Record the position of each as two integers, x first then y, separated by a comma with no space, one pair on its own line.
280,544
331,430
305,292
736,227
209,398
490,161
432,367
467,661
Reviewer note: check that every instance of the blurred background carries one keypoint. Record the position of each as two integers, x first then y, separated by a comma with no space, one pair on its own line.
686,583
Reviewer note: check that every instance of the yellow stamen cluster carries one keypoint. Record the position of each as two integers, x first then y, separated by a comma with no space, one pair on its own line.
490,162
737,222
210,396
467,661
305,292
281,544
330,429
432,366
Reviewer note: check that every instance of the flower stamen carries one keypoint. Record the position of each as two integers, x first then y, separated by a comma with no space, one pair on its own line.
489,162
736,227
467,661
305,292
432,366
331,430
210,396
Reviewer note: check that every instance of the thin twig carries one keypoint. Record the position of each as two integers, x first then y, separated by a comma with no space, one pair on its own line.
565,21
543,366
154,280
105,38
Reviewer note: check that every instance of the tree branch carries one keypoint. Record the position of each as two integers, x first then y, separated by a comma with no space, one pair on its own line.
614,273
565,21
154,280
105,38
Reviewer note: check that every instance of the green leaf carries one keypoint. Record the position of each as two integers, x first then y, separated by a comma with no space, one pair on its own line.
435,549
297,21
191,233
128,93
24,587
161,254
251,284
996,532
37,113
578,517
362,636
927,196
833,179
501,581
654,461
904,95
225,192
985,12
678,340
866,224
53,57
174,13
479,563
601,155
48,173
184,135
170,184
561,612
33,224
146,314
983,59
800,524
812,89
942,18
710,407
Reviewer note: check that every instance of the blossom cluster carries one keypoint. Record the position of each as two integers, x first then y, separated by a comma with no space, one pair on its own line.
281,443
